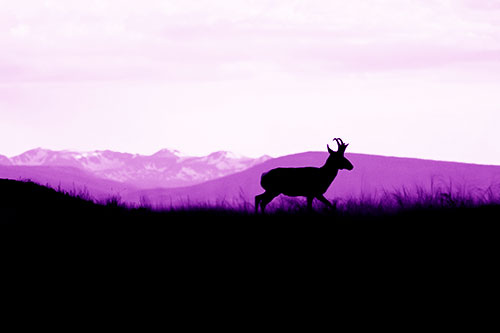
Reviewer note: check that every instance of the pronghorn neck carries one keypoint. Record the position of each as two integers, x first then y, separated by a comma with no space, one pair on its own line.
330,166
329,171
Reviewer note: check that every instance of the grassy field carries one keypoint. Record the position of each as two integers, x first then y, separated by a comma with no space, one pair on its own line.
31,203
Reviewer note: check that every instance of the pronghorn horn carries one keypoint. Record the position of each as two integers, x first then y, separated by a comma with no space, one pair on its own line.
338,142
341,145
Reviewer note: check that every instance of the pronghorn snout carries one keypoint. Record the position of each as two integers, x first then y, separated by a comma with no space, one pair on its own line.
349,167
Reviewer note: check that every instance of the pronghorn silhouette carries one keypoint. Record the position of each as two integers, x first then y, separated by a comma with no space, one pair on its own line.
308,182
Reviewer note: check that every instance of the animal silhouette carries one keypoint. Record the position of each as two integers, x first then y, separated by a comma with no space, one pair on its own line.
309,182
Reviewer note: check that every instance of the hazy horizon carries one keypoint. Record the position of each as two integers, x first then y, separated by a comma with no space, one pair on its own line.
235,154
395,77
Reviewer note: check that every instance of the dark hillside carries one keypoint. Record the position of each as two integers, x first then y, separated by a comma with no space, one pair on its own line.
30,203
66,178
203,240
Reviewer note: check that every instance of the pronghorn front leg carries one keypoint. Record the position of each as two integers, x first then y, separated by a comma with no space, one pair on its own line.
325,201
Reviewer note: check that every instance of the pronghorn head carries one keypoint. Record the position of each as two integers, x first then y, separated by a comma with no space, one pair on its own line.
336,160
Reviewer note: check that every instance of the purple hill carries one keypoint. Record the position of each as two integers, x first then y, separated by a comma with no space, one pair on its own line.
372,175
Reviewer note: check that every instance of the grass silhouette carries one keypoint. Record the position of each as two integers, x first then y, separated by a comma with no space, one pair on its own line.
28,202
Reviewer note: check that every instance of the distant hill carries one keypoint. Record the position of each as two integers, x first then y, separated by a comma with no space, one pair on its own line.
371,176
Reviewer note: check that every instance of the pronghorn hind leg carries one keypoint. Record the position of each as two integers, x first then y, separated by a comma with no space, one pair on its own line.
258,199
310,203
264,199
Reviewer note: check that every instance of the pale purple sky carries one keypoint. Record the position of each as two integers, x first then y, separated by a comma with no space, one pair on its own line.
392,77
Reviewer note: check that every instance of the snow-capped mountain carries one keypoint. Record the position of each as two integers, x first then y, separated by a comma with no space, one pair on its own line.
4,160
165,168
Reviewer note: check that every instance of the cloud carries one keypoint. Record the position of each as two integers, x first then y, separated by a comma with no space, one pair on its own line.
204,40
482,4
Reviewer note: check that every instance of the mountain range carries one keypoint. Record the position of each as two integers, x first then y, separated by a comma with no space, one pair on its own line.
169,178
166,168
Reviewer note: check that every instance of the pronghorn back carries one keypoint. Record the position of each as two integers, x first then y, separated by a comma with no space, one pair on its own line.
295,181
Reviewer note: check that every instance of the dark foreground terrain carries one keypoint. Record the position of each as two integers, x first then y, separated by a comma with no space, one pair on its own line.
375,254
32,205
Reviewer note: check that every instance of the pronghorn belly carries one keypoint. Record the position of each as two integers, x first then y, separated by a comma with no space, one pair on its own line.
297,193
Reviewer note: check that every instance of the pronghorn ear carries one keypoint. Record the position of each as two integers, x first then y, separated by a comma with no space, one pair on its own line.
329,150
